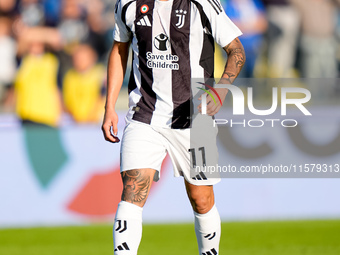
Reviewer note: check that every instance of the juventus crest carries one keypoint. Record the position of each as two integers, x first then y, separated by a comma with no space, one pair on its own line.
181,18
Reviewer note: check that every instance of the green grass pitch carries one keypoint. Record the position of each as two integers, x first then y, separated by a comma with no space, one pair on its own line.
238,238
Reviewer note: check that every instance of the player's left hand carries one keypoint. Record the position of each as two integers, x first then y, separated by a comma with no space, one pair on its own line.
212,107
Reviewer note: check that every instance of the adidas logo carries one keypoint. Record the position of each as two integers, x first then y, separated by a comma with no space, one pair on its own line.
211,252
144,21
122,247
200,176
210,236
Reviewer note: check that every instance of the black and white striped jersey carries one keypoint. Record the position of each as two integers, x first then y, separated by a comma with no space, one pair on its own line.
172,42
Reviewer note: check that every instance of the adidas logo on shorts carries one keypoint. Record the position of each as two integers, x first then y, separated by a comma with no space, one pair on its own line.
200,176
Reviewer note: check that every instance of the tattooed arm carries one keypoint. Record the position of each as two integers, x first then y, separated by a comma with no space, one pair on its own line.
235,62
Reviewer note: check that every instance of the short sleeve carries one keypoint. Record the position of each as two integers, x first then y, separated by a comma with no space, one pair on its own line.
120,32
223,29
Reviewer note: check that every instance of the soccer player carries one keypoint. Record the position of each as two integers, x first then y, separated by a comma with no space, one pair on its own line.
172,42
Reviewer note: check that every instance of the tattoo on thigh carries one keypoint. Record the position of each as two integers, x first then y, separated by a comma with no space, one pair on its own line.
136,186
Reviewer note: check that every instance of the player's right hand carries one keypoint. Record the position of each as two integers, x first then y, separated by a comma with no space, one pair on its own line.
109,127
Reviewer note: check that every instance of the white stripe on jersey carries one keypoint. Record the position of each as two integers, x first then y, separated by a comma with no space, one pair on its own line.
197,71
163,90
134,95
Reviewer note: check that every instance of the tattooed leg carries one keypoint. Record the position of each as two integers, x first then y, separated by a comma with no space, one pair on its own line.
127,230
136,185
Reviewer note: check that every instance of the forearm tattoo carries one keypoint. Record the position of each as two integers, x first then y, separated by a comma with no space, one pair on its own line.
235,62
136,186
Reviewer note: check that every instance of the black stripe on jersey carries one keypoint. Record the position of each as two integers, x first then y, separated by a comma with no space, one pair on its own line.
208,49
204,19
216,7
207,56
181,78
132,83
146,104
124,14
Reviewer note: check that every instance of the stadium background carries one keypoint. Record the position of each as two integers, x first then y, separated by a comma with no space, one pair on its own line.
57,170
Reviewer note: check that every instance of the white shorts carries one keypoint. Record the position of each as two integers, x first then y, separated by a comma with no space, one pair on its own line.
145,146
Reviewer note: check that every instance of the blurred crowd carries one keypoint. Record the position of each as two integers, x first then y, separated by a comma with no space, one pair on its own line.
53,52
52,58
288,38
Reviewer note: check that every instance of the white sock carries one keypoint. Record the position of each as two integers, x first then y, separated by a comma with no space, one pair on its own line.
127,229
208,231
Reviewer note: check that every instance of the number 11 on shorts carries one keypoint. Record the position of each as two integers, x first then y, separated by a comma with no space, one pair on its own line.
193,156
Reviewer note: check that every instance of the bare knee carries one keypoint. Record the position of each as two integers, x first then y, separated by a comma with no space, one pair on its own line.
136,185
201,198
202,204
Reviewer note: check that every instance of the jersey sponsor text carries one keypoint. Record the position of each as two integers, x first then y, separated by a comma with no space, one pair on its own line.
162,61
